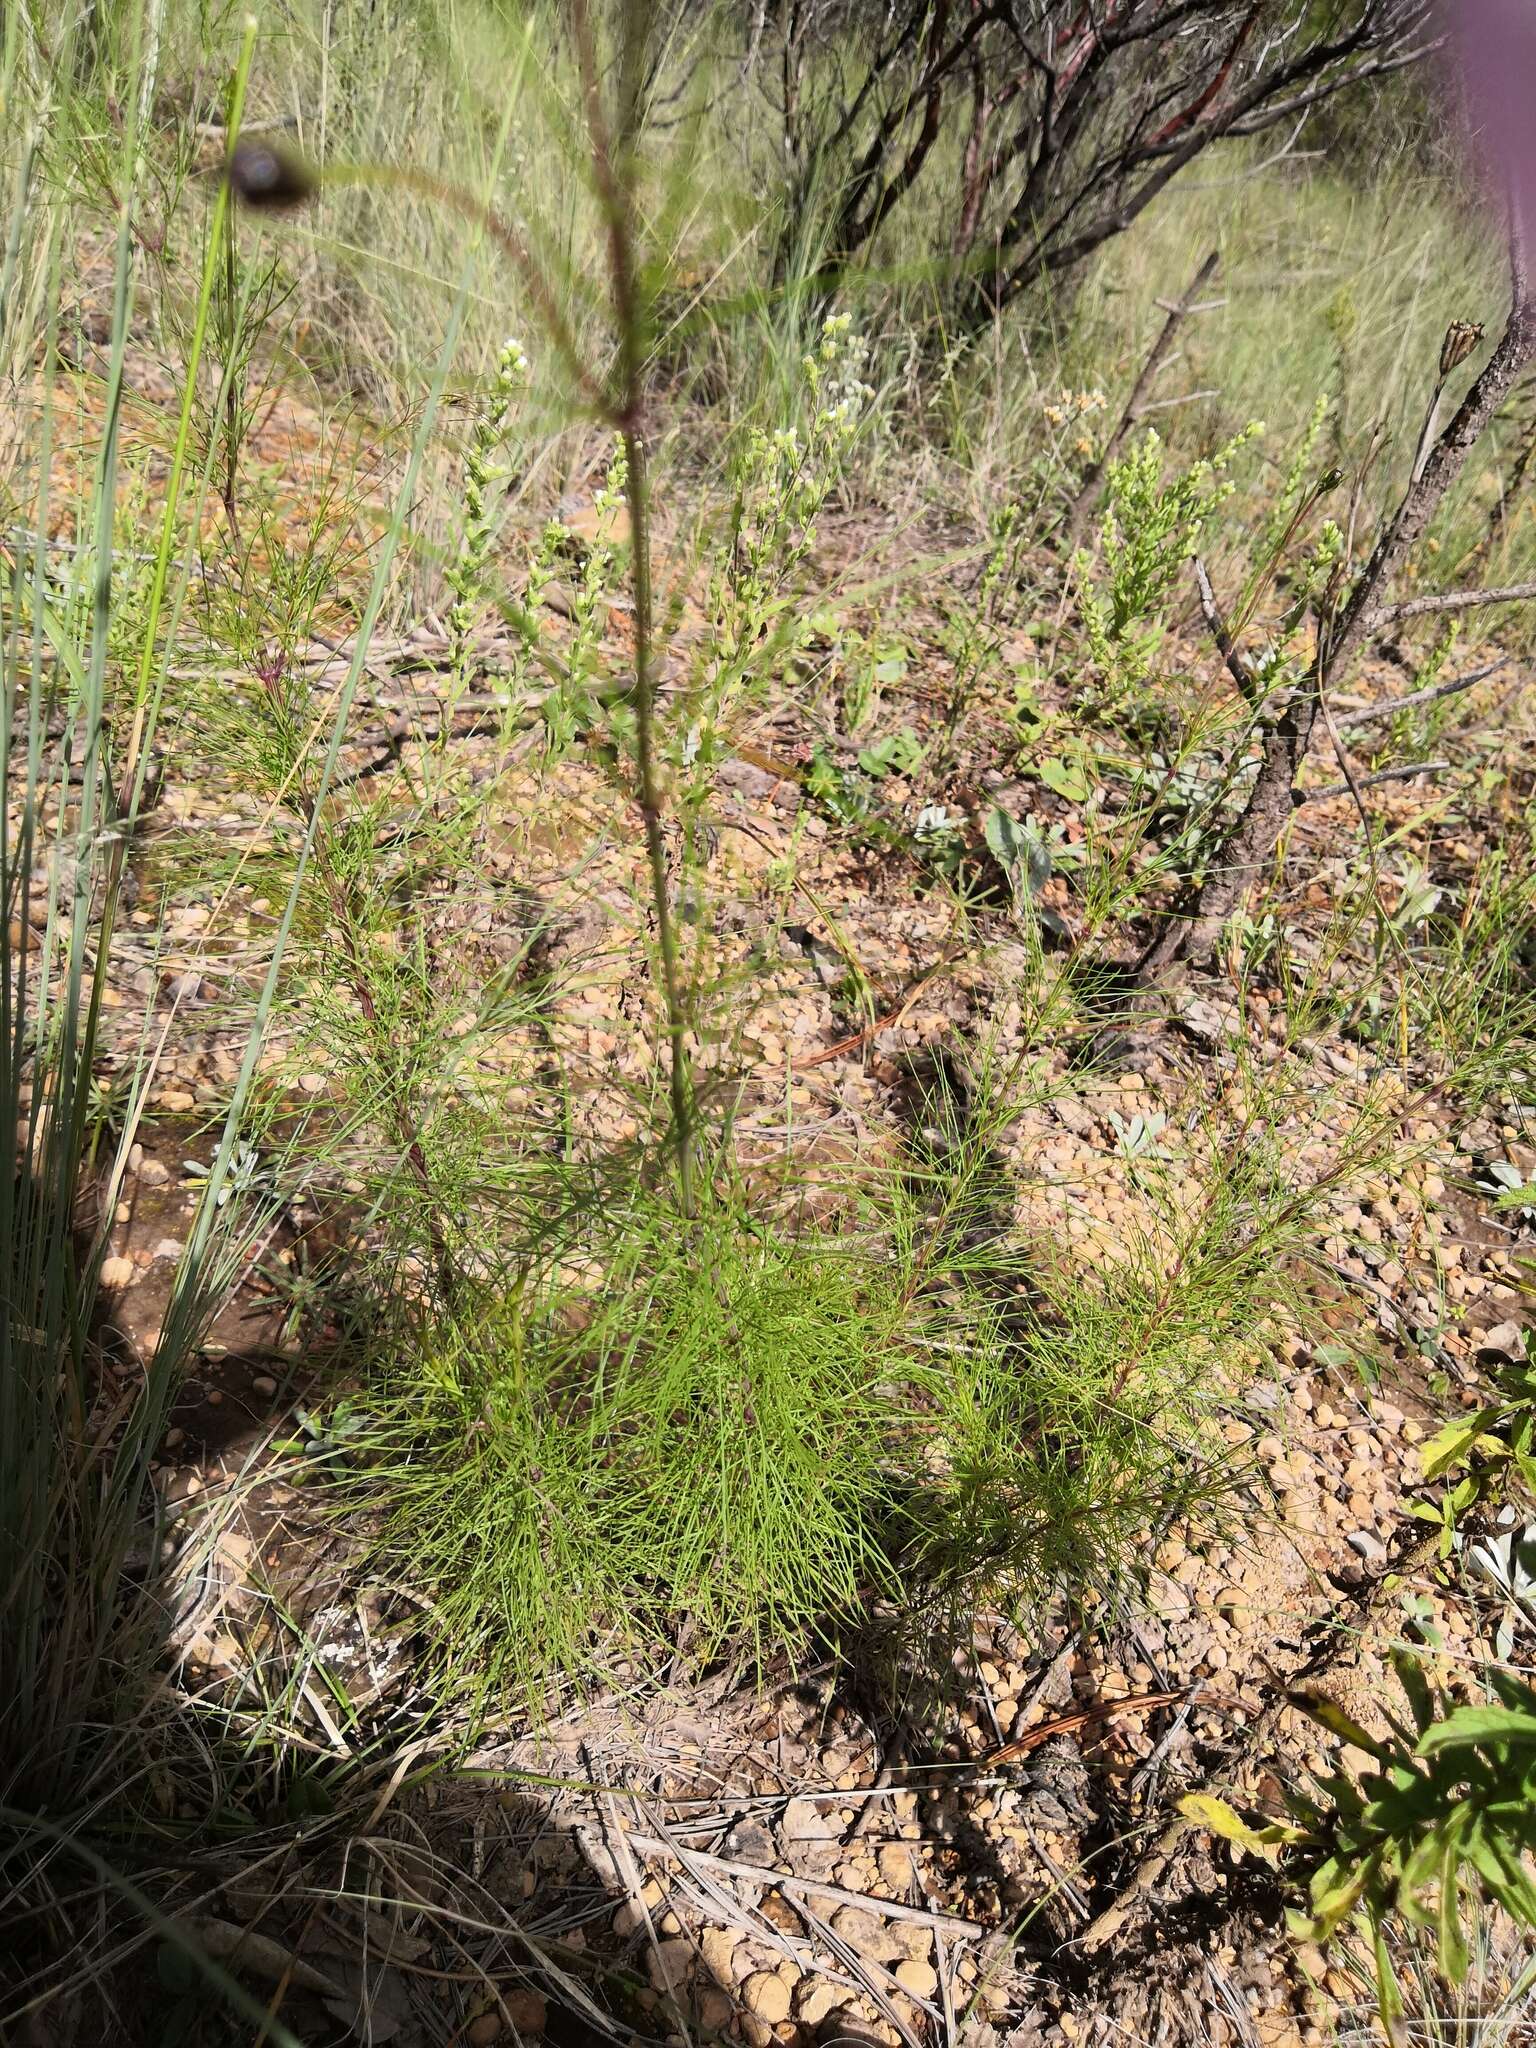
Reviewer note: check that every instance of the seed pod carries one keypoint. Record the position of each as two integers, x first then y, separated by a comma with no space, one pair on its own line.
1461,337
270,174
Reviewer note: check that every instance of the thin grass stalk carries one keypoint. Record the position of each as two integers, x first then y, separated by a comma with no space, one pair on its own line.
166,1927
218,249
59,1529
217,1263
620,404
314,821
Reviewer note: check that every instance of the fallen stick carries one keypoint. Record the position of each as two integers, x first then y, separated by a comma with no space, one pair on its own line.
1106,1710
871,1031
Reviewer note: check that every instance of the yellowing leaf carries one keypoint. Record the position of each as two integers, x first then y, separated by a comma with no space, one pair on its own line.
1213,1814
1330,1715
1339,1900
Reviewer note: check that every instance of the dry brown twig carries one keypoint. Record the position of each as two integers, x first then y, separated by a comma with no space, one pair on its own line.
1367,714
1136,406
1192,932
783,1880
1107,1710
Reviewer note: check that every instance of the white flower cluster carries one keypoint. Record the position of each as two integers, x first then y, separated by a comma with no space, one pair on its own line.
783,478
835,377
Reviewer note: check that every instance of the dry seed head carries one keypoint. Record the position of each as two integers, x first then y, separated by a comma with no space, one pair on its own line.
1461,337
270,174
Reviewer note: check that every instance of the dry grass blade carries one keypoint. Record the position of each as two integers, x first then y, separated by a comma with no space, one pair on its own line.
770,1879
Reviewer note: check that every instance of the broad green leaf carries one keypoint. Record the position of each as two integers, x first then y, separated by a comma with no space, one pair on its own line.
1005,839
1389,1993
1476,1727
1498,1863
1068,780
1421,1698
1453,1945
1456,1441
1419,1868
1518,1697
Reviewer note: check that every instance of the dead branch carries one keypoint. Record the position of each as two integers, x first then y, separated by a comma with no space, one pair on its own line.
1192,931
1068,121
1221,633
1404,772
1432,693
1451,601
1136,405
783,1880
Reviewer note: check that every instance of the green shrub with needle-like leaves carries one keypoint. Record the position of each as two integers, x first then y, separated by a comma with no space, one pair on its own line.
697,1431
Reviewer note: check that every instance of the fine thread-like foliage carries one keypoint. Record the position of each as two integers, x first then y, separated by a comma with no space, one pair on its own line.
653,1441
701,1438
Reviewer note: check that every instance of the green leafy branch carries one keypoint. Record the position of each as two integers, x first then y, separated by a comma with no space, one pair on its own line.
1446,1818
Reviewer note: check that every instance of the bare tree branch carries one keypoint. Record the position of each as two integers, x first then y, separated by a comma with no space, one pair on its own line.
1221,633
1272,799
1451,601
1405,772
1369,714
1070,117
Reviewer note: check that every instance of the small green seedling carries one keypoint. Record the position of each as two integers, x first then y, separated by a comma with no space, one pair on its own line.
1514,1192
1447,1816
1477,1455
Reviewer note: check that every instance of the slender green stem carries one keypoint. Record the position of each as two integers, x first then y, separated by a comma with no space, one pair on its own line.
637,493
164,551
615,165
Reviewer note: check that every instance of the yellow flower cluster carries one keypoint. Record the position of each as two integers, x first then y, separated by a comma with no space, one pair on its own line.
1072,405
